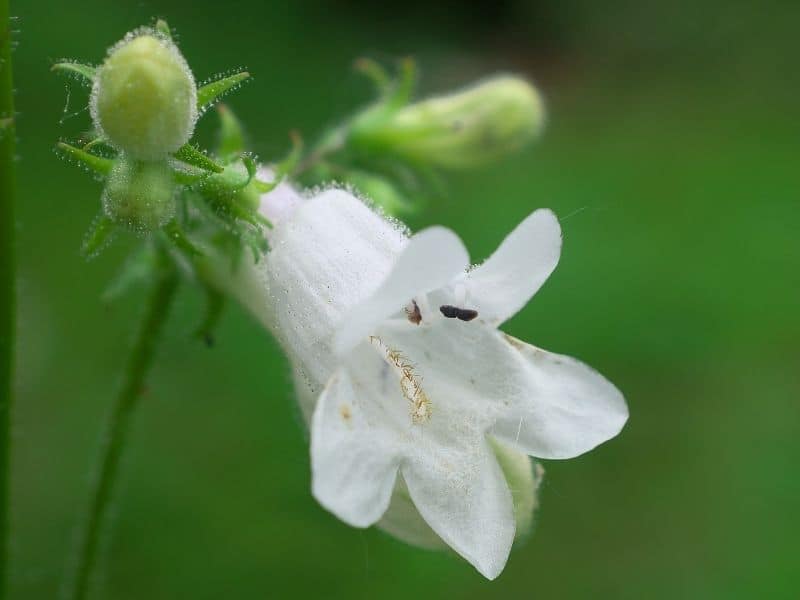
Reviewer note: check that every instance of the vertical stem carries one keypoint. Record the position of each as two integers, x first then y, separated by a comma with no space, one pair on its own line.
7,278
113,444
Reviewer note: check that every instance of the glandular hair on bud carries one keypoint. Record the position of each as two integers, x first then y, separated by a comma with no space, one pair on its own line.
144,96
475,126
140,195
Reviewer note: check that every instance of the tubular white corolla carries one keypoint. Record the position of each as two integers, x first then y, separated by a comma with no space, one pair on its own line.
410,387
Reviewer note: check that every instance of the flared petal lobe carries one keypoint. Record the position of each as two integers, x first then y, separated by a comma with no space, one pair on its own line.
465,499
503,284
353,458
432,259
562,409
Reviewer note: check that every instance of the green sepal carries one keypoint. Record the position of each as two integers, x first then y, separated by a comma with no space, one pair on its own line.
215,303
283,168
83,73
188,175
374,72
138,269
403,88
233,236
213,91
98,236
231,211
162,28
231,139
232,179
288,164
251,167
98,164
232,215
256,242
178,238
262,187
95,142
193,156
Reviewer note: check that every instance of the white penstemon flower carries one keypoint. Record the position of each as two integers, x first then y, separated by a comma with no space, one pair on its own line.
406,379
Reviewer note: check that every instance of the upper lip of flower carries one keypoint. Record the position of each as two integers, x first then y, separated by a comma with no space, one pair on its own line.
456,383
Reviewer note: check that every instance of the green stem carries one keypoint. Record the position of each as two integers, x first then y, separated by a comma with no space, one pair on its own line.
7,278
122,412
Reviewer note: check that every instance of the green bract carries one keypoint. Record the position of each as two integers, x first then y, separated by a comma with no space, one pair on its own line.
144,97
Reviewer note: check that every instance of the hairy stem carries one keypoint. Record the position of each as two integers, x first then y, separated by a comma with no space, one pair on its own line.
7,278
122,412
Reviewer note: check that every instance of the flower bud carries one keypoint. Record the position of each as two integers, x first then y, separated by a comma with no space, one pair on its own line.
475,126
144,97
139,195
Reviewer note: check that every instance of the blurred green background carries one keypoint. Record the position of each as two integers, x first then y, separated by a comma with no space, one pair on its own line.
671,155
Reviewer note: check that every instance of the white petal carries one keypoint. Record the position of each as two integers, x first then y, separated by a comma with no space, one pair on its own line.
544,404
464,497
354,464
563,408
278,204
328,257
432,259
468,370
503,284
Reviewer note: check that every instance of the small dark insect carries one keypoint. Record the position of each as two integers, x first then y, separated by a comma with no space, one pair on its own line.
453,312
413,314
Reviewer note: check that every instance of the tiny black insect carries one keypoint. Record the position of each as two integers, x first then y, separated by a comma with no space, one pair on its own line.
453,312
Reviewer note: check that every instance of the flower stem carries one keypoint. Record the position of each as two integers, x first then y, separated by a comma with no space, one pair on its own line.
122,412
7,278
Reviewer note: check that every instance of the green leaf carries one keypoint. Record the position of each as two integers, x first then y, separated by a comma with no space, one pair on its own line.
211,92
231,143
98,164
98,236
84,73
191,155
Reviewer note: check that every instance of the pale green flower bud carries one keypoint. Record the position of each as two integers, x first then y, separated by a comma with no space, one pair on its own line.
140,195
144,97
475,126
